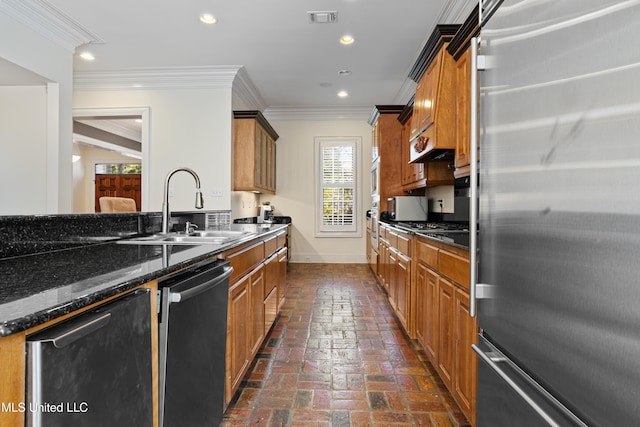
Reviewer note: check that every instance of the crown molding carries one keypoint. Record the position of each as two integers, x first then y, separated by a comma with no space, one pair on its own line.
320,113
205,77
456,11
247,92
406,92
49,22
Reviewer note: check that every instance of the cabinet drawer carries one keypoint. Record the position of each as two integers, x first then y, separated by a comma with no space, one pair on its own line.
392,238
282,240
245,259
270,245
382,232
427,254
454,266
272,272
404,243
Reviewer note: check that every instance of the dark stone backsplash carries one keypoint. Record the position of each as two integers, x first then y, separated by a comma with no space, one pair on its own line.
30,234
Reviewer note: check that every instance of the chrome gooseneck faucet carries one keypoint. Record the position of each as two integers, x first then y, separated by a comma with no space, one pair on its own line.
165,203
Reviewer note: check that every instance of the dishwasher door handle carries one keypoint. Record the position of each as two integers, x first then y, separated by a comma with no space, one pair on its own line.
70,336
196,290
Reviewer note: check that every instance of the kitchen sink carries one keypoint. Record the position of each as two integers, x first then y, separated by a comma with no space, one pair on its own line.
203,237
218,233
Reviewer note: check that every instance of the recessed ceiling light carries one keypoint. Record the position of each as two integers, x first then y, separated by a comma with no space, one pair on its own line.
347,39
87,56
344,72
343,94
208,18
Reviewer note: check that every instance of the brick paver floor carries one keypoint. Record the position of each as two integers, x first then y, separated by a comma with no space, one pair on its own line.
337,357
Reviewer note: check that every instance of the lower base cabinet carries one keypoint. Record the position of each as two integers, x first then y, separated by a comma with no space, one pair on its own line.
283,260
255,295
444,326
465,333
238,323
444,355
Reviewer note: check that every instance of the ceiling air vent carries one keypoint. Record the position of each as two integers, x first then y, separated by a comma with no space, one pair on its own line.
323,17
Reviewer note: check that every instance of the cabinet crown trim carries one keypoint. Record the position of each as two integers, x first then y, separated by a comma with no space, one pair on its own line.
258,117
440,35
384,109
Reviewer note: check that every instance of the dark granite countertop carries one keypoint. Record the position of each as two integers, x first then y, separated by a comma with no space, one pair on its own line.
39,287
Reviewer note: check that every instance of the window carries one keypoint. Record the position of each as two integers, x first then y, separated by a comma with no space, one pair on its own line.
337,190
118,168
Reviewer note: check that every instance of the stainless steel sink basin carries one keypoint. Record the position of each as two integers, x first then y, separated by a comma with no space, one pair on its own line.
203,237
218,233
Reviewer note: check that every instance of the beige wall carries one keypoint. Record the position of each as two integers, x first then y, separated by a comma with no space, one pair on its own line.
295,188
188,127
84,174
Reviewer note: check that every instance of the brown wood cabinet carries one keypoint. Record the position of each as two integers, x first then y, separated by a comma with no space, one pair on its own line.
465,333
271,283
283,259
396,273
444,355
386,133
254,153
427,309
444,326
238,333
371,248
425,100
257,309
256,293
432,124
459,48
463,112
413,176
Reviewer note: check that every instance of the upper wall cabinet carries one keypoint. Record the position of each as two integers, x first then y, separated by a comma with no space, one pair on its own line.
386,136
254,153
433,121
459,48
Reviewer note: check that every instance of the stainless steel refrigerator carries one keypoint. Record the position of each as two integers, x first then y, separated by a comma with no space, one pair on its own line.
558,293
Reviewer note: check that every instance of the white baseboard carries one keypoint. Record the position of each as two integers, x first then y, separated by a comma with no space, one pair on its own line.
315,258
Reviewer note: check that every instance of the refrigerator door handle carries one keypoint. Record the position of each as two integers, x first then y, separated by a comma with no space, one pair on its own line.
493,358
473,182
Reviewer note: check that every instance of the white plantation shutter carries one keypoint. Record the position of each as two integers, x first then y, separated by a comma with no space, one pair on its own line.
337,160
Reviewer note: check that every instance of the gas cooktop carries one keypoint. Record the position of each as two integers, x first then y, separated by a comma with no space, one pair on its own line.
447,232
434,226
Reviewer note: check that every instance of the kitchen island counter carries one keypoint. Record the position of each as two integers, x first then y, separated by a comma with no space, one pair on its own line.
40,287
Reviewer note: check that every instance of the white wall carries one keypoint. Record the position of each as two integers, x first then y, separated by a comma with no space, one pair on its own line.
23,138
51,190
188,127
296,188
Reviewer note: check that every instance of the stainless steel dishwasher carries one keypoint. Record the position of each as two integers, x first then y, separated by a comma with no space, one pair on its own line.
93,369
192,341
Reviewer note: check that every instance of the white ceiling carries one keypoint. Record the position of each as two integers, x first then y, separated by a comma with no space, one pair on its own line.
292,63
